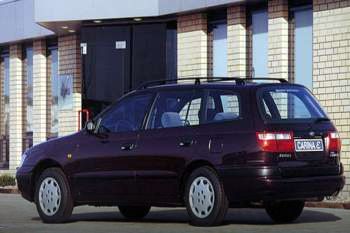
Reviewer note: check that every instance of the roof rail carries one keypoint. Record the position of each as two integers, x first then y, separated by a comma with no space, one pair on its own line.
281,80
197,80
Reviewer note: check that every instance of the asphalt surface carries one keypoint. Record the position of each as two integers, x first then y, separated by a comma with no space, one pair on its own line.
18,215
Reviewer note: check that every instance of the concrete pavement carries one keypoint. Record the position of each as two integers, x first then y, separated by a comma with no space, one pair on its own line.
18,215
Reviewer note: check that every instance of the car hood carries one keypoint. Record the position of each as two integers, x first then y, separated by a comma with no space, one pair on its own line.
53,149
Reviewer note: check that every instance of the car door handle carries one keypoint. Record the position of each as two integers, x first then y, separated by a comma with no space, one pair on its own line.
127,147
186,143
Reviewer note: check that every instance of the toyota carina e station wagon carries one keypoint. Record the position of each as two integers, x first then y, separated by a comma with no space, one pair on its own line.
207,144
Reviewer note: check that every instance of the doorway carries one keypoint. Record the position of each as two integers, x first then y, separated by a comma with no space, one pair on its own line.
119,58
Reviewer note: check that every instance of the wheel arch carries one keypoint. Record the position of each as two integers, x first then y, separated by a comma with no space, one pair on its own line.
190,167
38,170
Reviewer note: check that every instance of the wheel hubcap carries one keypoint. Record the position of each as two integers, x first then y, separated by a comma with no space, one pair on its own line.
201,197
49,196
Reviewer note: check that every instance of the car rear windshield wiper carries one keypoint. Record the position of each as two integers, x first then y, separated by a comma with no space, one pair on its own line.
321,119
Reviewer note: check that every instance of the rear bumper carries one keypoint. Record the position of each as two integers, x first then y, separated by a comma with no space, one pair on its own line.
25,183
267,183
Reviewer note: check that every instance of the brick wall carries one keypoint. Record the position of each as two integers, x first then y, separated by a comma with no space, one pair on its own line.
278,38
192,45
331,70
40,86
17,106
70,64
237,41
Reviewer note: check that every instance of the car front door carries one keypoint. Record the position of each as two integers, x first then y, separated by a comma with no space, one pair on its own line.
168,143
104,161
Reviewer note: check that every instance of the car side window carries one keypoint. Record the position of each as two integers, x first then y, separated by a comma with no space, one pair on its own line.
222,105
175,109
127,115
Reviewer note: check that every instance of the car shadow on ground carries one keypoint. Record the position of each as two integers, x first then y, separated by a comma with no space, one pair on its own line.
238,216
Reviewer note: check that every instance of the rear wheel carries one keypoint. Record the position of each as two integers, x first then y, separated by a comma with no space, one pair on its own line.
205,198
52,196
134,212
284,211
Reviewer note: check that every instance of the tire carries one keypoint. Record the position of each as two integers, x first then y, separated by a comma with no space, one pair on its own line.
59,207
284,211
134,212
205,199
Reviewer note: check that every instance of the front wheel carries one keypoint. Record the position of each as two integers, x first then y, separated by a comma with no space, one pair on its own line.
134,212
284,211
205,198
52,196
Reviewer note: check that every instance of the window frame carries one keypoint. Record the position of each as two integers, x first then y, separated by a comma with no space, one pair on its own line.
260,105
156,97
234,92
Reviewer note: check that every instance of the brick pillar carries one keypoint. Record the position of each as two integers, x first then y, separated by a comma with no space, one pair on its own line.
278,39
192,34
40,89
237,41
331,70
17,106
2,107
70,64
2,99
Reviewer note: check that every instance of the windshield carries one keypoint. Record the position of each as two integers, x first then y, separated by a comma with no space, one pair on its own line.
290,103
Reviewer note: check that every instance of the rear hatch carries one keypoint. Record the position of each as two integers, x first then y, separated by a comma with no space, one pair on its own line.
297,132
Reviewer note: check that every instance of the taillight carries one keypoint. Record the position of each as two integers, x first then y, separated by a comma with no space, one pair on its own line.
333,141
275,141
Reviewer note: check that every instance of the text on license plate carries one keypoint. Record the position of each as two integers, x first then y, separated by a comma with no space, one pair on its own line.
304,145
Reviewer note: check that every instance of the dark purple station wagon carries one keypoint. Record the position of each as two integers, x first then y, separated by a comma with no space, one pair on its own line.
207,144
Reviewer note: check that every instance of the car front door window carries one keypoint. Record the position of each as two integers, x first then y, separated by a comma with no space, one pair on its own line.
127,116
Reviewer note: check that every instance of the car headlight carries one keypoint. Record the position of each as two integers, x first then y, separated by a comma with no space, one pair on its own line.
23,158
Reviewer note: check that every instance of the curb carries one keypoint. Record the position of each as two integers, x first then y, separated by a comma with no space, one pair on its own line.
9,190
331,205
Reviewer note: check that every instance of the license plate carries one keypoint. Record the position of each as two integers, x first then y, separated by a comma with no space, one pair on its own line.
307,145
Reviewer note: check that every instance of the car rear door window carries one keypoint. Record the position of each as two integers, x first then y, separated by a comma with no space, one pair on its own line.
222,105
175,109
127,115
288,103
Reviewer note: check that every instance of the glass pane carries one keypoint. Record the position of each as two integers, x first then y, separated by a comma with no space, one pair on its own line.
289,104
7,93
175,109
220,50
29,75
127,115
222,106
303,47
260,43
54,91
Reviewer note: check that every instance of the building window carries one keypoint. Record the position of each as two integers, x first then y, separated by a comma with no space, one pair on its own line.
303,20
4,108
217,28
53,91
259,37
29,95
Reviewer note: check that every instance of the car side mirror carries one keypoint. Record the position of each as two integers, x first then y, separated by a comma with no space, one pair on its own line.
90,126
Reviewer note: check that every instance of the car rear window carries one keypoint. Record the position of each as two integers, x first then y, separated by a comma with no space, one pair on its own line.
288,104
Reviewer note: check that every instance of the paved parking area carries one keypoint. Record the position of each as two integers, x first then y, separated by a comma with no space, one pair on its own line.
17,215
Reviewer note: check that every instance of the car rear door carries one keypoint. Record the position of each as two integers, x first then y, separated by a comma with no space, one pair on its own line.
168,143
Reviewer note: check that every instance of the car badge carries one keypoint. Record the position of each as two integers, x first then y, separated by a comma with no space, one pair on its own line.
312,133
